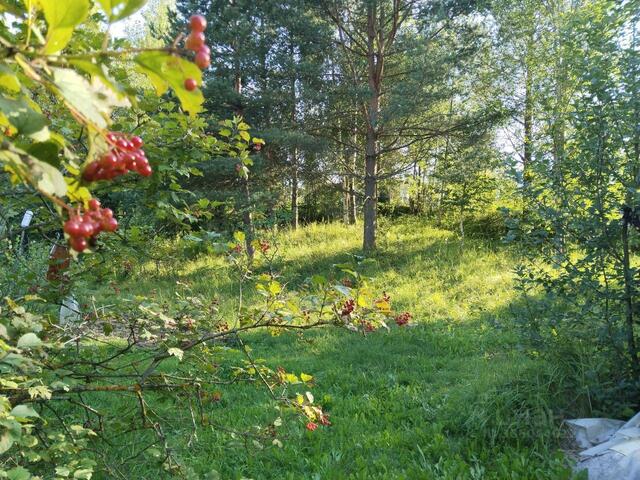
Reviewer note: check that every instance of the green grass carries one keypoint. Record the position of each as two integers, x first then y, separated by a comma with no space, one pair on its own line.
453,398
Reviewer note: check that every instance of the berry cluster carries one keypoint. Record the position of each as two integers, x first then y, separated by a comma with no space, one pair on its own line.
83,228
403,319
385,298
348,307
367,326
125,155
264,246
311,426
195,43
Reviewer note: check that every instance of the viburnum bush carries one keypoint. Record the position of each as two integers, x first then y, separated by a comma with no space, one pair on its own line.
57,99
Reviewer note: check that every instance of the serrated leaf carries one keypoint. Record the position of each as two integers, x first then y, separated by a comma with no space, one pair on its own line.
8,79
18,473
62,17
99,71
24,411
275,288
164,70
176,352
346,291
29,340
94,101
24,118
119,9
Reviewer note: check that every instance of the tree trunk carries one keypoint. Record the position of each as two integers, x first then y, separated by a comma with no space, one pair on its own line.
629,293
374,59
294,190
528,134
353,207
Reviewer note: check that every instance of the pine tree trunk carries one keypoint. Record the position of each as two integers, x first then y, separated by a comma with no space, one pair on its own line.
370,208
294,190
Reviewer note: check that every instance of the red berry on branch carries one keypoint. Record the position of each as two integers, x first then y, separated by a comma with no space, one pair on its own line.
86,228
107,213
190,84
109,224
198,23
79,244
204,49
94,204
145,170
89,173
123,144
72,227
194,41
311,426
136,141
203,60
109,161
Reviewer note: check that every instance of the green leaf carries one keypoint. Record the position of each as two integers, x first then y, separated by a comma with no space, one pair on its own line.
245,135
18,473
29,340
239,237
119,9
94,100
8,79
43,176
24,118
176,352
24,411
6,441
343,290
99,71
62,17
275,288
46,151
164,70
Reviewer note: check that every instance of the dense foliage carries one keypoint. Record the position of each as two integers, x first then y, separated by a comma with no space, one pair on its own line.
147,229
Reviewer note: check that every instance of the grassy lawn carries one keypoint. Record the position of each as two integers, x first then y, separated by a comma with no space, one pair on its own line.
455,397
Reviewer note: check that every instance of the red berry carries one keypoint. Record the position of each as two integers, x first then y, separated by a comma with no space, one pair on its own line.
197,23
203,60
136,141
109,161
94,204
72,227
190,84
112,137
123,144
109,224
194,41
312,426
89,173
145,170
204,49
86,228
107,213
79,244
